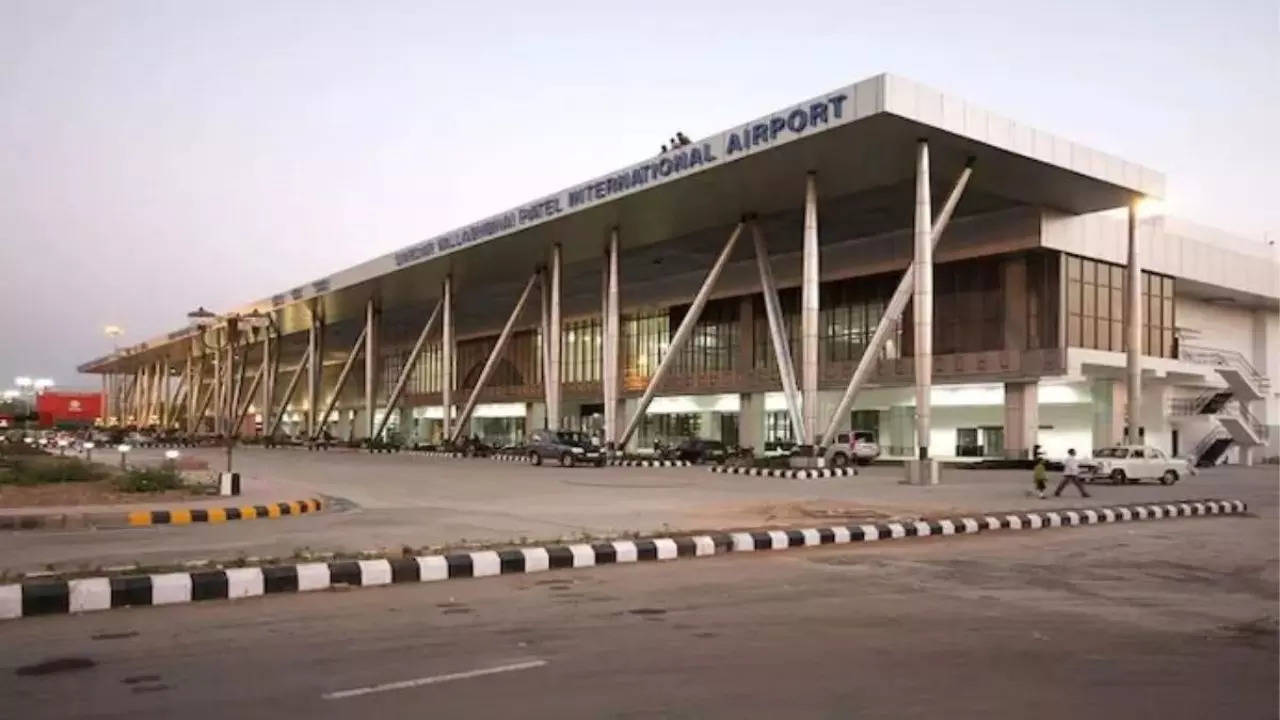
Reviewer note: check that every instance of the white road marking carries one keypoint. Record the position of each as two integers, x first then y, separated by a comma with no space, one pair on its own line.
432,680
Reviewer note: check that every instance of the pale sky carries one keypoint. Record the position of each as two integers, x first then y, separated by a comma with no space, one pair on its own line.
156,156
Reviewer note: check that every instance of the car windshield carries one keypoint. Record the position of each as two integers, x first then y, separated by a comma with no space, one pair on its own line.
1111,453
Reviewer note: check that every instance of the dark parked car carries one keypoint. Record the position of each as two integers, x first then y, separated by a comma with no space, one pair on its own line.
567,447
696,450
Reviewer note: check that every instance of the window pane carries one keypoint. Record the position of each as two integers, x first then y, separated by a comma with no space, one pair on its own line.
1090,339
1117,336
1073,331
1090,295
1073,297
1073,268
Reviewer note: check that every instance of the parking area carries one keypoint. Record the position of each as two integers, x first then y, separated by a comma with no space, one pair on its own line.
404,500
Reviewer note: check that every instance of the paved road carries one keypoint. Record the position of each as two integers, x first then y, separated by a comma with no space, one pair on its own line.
1168,619
420,502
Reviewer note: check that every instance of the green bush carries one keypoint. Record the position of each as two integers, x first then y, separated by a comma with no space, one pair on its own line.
140,480
48,471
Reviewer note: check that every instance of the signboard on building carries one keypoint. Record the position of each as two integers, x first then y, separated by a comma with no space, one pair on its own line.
58,408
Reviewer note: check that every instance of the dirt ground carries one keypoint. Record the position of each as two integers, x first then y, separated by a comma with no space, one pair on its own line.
96,492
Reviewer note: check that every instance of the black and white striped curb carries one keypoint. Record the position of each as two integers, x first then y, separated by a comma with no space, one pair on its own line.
788,473
649,463
510,457
46,596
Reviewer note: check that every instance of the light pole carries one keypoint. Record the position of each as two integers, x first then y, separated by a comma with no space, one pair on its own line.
203,320
124,449
171,459
88,452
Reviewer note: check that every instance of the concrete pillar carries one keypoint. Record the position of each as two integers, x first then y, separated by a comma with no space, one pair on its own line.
924,471
447,356
751,421
313,375
343,429
809,300
1133,329
370,366
1108,398
553,348
1021,419
610,327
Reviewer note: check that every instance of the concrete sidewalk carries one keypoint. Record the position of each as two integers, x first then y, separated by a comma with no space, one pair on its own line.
428,503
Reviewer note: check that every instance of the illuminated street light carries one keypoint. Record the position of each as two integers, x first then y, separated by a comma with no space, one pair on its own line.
22,381
124,449
88,451
42,384
171,458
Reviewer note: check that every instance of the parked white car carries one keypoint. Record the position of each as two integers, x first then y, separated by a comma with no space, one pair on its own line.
859,447
1134,463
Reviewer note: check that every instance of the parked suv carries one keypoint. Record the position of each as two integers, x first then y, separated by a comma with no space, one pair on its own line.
697,450
858,447
566,446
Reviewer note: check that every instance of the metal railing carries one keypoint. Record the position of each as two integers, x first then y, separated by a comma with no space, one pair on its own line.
1214,435
1242,411
1226,358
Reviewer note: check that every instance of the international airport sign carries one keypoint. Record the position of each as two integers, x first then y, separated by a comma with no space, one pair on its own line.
794,122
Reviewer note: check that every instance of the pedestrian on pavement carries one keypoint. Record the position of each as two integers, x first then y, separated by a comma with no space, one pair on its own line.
1071,474
1041,476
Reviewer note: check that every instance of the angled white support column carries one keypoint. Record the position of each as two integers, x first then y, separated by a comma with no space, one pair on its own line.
243,409
681,336
1133,330
553,347
165,401
809,300
446,355
777,333
893,311
492,361
407,370
370,367
323,418
923,300
304,363
171,404
610,326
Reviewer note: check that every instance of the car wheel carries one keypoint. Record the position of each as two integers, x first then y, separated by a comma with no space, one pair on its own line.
1117,477
1170,477
839,460
567,460
535,458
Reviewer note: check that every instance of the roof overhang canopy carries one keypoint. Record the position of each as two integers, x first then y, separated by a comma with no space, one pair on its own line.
858,139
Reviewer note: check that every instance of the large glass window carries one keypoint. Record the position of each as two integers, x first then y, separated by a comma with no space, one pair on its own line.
580,342
1095,314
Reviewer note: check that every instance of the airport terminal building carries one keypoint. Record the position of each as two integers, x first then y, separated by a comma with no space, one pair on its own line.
884,257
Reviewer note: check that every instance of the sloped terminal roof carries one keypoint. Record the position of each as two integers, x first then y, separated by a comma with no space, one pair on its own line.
858,138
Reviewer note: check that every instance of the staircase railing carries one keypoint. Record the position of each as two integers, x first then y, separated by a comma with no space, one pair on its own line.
1249,418
1227,358
1217,433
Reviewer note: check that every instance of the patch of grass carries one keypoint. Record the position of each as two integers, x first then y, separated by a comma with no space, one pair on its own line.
48,471
145,480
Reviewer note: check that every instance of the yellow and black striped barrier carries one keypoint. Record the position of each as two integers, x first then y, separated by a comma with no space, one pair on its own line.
224,514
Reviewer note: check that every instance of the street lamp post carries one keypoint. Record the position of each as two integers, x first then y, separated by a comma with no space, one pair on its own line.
123,449
88,452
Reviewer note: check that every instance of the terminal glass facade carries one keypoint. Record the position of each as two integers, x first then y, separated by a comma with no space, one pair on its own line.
1096,308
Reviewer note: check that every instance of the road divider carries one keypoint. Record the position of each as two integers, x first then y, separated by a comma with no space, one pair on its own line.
56,596
165,516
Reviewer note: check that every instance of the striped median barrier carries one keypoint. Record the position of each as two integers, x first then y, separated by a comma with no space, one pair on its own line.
146,518
787,473
623,462
50,596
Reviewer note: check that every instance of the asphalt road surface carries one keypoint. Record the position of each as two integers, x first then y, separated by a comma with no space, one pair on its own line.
1166,619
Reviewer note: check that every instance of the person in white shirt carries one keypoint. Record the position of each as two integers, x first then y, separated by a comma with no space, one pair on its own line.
1071,474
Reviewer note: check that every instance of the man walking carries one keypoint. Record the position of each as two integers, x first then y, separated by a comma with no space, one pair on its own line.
1071,474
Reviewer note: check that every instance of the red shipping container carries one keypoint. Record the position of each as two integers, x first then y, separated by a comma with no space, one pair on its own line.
56,407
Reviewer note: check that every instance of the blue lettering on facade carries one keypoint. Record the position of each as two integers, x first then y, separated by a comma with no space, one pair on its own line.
797,121
759,134
734,145
837,104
